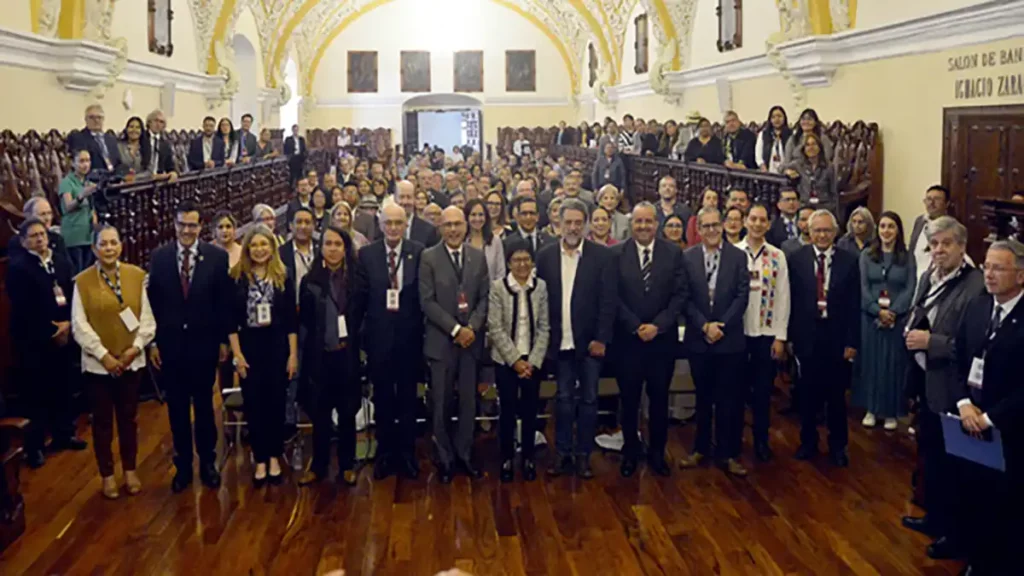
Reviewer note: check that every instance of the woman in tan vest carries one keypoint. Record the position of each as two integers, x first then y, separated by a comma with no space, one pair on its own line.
112,322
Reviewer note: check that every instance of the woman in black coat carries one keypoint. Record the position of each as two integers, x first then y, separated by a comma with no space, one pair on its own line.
705,147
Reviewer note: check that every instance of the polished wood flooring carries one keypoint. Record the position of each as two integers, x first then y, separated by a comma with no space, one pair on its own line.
788,517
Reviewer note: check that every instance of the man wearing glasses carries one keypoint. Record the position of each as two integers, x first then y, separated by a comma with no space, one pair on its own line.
190,291
102,147
786,225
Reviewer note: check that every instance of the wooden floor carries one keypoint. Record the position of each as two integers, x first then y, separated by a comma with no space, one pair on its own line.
788,517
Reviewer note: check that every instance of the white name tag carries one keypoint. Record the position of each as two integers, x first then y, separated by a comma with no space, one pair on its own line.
342,327
823,308
813,200
884,302
392,300
755,285
131,323
977,374
263,314
58,295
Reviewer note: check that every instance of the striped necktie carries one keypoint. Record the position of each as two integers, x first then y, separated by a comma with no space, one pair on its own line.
645,269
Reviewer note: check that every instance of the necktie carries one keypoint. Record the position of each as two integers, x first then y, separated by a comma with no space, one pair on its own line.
993,326
393,268
790,229
533,241
103,146
154,156
821,277
458,261
645,269
186,271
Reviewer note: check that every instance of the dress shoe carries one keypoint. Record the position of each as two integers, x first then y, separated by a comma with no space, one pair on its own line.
408,468
944,549
382,468
920,524
444,473
508,471
470,470
562,467
691,461
839,459
733,467
35,459
181,481
70,443
805,452
529,470
348,477
274,474
659,466
209,476
763,452
312,477
628,467
583,469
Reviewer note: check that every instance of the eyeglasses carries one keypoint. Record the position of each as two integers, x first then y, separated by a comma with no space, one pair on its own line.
187,225
712,226
674,226
821,231
998,268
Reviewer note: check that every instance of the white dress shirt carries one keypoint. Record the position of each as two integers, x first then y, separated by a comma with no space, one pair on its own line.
92,348
640,252
1006,307
768,308
570,263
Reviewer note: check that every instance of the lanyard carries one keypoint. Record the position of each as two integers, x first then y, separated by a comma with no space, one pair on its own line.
114,286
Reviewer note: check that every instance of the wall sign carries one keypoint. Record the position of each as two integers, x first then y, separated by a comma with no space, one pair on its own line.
1000,74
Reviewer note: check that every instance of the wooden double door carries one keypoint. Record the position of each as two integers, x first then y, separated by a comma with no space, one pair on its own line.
982,157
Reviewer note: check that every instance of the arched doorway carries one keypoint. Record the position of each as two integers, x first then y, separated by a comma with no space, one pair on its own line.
442,120
246,100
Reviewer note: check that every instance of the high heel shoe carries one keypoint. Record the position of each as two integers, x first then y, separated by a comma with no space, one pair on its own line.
275,466
259,477
132,484
110,488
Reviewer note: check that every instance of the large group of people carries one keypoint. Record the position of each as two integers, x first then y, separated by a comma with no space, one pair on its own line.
457,272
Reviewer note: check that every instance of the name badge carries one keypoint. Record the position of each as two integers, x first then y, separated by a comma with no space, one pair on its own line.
263,314
131,323
463,303
755,281
814,200
342,327
58,295
884,302
977,374
682,333
392,300
823,308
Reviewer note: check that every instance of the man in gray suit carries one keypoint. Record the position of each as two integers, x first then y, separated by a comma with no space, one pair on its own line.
454,286
247,141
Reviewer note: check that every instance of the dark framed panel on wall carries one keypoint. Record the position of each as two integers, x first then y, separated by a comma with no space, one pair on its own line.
591,65
362,72
415,72
520,71
730,24
160,17
641,45
469,71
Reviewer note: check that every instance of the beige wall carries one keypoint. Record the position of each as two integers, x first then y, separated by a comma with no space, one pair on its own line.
131,21
17,14
872,13
760,20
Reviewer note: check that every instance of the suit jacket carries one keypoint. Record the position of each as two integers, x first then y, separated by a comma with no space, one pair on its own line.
660,306
84,140
609,172
791,246
424,232
940,375
593,300
192,329
842,303
439,296
195,153
732,292
566,137
743,147
388,335
776,234
165,156
543,239
503,313
294,159
247,143
918,232
33,302
287,252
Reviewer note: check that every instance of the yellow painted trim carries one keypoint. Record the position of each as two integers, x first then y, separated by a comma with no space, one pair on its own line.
853,14
322,49
820,16
616,51
595,29
669,27
286,34
219,30
72,19
35,6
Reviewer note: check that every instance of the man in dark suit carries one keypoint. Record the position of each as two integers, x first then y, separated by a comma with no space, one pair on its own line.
738,143
582,314
419,230
163,155
248,143
527,213
190,292
388,290
102,147
652,289
719,288
942,295
453,294
784,226
565,136
824,327
803,238
991,396
299,253
295,150
205,151
302,199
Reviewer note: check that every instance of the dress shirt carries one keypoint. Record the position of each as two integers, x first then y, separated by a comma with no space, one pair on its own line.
531,239
768,309
1007,308
792,230
207,149
102,141
46,260
92,348
303,264
398,261
154,157
193,256
570,262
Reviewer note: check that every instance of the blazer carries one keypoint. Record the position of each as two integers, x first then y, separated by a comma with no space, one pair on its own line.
918,233
777,234
565,137
820,182
593,301
247,143
494,255
940,375
284,318
289,151
287,253
732,292
190,329
743,144
711,152
387,335
424,232
368,226
842,303
609,172
84,140
439,297
195,153
33,303
660,306
789,247
312,317
502,315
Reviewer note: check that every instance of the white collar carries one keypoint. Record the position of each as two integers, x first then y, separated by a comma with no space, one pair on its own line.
640,249
578,251
454,250
1007,306
828,253
515,286
49,257
192,250
396,249
704,247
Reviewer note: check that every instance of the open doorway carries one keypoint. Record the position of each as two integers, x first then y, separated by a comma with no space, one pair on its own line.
442,121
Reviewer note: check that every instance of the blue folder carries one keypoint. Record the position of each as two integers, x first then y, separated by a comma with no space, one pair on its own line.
963,445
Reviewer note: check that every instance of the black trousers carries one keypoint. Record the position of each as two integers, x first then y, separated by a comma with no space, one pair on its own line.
824,381
264,390
188,385
989,504
45,384
394,404
719,400
334,392
653,364
939,474
518,397
761,371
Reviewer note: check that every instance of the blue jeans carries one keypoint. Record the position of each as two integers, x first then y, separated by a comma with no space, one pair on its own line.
576,404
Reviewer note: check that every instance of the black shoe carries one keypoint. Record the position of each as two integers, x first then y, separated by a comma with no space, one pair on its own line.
628,467
583,469
35,459
258,483
562,467
944,549
275,480
921,525
444,473
529,470
470,470
839,459
508,471
181,481
70,443
408,468
763,452
209,476
382,467
805,452
659,466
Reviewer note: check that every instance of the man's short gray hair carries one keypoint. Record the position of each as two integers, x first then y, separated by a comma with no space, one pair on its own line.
647,205
30,205
152,115
574,204
946,224
823,212
1012,246
708,210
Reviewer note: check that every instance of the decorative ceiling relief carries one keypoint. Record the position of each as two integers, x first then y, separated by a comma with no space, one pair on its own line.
205,14
99,15
48,18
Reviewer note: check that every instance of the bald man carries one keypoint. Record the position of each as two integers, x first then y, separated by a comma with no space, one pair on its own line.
417,229
388,292
453,293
